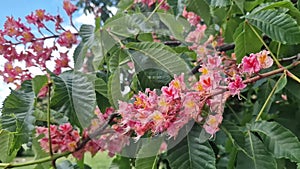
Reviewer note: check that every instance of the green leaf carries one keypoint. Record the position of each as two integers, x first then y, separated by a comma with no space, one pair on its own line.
38,82
235,133
74,96
114,88
153,78
220,3
240,4
279,26
8,153
279,140
101,86
120,162
79,55
127,25
100,42
230,28
125,4
147,155
246,42
86,32
17,113
176,25
249,5
255,155
190,153
165,58
281,84
293,11
116,58
201,8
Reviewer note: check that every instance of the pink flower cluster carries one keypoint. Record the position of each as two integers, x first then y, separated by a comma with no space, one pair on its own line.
255,62
35,53
165,6
169,111
65,138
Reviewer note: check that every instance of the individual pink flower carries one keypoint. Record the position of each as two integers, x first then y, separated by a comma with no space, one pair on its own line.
27,37
236,85
250,64
264,60
67,39
69,7
212,123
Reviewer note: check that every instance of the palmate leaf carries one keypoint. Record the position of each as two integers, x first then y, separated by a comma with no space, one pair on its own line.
277,25
190,153
255,156
279,140
163,56
74,96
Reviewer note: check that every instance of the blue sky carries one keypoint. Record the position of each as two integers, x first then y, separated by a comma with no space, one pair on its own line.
21,8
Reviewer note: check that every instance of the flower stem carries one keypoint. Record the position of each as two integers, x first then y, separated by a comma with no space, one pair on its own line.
156,8
269,97
39,161
48,123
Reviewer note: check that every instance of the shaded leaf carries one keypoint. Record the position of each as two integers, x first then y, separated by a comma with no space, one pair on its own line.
114,88
220,3
246,42
8,153
201,8
255,155
190,153
147,155
279,140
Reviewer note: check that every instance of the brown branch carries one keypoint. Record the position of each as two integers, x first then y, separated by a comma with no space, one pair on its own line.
38,39
97,132
274,72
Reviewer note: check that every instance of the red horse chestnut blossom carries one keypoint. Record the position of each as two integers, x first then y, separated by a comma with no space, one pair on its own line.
35,53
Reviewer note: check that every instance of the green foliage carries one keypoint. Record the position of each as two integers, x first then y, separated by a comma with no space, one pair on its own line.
279,140
74,96
8,152
278,25
161,55
191,153
260,127
246,42
255,155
